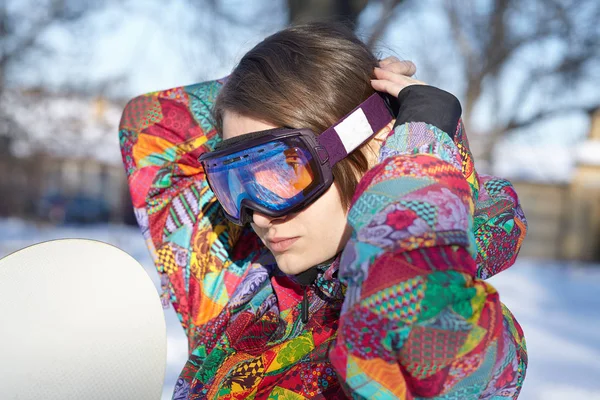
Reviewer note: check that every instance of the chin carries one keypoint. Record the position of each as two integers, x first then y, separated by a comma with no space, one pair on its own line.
290,264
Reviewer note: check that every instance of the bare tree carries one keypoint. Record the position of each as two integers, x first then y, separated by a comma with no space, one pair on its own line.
346,11
299,11
556,43
341,10
23,24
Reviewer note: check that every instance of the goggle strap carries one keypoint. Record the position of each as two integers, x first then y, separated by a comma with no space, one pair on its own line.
354,129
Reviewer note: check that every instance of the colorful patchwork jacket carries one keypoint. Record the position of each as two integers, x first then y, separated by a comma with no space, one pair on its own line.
403,312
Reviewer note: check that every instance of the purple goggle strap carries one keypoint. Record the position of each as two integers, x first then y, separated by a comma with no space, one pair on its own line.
354,129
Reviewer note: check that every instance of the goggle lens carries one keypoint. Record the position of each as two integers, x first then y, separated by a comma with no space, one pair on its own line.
277,175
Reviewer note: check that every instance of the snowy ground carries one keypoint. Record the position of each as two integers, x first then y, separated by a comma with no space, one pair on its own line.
557,304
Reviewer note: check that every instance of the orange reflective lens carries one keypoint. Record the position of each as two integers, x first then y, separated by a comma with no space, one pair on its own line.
286,179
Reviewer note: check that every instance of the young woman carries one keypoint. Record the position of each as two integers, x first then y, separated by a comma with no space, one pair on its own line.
317,243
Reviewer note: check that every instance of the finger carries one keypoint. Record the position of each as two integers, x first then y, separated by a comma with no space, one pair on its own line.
405,67
382,85
388,60
385,74
398,78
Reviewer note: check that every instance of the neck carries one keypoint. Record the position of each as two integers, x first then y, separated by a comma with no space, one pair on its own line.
308,277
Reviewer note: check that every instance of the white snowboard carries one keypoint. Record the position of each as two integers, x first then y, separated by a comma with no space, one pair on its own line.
79,319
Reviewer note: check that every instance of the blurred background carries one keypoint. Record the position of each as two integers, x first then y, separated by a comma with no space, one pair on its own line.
527,73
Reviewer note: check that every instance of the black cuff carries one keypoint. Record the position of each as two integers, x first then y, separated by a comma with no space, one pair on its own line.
422,103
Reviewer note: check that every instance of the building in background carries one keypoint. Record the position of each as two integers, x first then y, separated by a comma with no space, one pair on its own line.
60,160
564,217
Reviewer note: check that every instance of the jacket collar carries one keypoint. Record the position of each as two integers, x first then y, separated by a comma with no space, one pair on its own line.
322,277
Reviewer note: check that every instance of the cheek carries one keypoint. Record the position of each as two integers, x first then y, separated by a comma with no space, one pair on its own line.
334,203
327,217
258,231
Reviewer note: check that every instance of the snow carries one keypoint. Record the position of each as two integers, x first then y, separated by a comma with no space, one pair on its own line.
558,306
556,303
589,152
550,163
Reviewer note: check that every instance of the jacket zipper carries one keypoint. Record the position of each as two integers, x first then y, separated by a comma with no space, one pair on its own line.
306,279
304,307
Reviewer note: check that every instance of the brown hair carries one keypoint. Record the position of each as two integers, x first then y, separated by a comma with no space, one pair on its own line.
305,76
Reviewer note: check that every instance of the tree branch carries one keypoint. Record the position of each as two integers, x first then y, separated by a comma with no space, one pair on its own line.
216,9
460,37
58,12
543,114
382,23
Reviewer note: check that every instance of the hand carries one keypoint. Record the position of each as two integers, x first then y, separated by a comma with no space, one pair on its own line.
394,75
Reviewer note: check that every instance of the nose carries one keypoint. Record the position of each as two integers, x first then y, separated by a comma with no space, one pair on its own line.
262,220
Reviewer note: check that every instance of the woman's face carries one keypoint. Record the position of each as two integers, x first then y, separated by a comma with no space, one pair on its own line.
300,240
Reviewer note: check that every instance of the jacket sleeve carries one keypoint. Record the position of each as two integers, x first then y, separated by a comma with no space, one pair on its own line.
416,320
193,245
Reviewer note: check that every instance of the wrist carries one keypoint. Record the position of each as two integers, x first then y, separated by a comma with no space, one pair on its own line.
422,103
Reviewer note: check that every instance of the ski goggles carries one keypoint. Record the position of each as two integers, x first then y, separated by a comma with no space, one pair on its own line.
281,171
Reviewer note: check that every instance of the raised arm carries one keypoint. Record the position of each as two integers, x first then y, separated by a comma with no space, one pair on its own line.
162,134
417,322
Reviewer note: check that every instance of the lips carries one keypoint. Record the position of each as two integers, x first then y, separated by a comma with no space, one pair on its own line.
281,244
